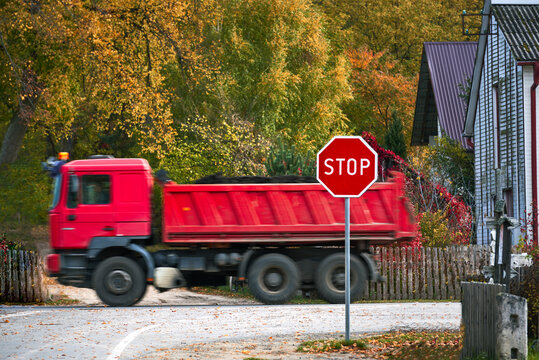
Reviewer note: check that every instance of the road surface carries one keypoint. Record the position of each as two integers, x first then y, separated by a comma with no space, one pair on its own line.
201,332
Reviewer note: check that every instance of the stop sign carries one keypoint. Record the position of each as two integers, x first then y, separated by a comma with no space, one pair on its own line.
347,166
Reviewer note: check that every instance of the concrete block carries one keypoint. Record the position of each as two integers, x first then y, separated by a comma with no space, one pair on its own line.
511,326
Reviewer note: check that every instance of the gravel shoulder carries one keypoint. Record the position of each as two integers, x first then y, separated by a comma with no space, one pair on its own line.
225,338
173,297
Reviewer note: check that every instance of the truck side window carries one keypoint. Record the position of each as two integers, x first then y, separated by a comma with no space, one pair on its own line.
95,189
73,192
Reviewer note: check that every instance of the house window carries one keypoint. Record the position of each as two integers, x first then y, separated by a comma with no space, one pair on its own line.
496,125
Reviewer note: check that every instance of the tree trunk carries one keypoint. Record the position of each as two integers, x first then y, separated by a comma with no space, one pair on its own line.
29,95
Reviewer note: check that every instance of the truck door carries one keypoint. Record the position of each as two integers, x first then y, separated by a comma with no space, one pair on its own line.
89,209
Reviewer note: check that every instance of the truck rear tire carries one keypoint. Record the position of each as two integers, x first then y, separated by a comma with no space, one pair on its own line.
119,281
273,278
330,279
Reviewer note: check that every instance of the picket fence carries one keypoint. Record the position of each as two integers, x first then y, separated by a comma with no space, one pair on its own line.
426,273
21,277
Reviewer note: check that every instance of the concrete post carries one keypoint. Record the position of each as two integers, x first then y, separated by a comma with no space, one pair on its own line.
512,327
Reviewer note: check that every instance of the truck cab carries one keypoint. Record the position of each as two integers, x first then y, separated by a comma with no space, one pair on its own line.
99,204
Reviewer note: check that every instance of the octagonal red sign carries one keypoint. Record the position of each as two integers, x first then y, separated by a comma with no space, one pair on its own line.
347,166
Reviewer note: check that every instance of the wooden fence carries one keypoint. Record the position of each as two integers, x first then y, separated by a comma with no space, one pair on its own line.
21,277
479,316
426,273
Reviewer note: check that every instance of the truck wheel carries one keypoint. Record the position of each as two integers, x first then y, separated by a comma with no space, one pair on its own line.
273,278
330,279
119,281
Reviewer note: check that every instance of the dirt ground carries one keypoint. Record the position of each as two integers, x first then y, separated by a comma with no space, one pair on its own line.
173,297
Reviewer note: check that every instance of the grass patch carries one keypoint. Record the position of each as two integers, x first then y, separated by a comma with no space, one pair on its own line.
244,293
533,354
61,300
399,345
320,346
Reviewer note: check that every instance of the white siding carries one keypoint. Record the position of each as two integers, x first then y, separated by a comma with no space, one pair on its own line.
527,74
500,69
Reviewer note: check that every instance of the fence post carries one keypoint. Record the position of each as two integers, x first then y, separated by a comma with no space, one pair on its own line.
22,277
479,318
9,277
379,285
391,284
3,275
398,273
443,277
385,266
410,270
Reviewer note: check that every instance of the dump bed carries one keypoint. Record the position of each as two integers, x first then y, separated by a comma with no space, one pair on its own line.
282,214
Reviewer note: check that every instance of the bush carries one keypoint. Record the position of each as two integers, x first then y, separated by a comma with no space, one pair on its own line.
25,194
6,245
434,229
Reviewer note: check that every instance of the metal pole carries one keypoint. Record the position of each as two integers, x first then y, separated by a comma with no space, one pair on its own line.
347,264
506,256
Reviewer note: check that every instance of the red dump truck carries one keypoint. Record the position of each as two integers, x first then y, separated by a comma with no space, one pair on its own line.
279,238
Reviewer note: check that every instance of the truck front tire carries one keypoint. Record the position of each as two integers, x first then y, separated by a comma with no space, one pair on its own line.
330,279
273,278
119,281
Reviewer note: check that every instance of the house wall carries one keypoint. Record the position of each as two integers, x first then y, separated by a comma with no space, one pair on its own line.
500,70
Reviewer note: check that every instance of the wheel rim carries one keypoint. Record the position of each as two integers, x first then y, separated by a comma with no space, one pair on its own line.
273,280
118,281
337,278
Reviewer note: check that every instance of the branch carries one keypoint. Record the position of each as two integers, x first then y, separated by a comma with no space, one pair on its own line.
13,65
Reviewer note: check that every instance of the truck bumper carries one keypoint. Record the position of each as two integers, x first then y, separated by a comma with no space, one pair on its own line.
53,264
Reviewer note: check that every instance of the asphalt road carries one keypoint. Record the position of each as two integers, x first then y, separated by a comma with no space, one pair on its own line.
172,331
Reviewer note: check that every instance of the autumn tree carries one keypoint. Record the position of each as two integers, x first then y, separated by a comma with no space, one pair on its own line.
397,27
378,92
88,69
275,69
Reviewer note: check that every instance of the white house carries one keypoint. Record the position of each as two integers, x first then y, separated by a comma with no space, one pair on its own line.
501,118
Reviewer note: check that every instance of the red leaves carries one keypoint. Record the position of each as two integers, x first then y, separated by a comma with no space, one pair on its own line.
458,213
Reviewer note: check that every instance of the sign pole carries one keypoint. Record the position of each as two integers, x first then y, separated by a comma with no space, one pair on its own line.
347,264
347,166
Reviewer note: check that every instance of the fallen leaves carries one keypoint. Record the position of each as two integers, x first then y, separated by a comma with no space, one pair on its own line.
397,345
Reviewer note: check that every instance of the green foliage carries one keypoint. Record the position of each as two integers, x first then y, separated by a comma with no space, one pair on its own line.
398,27
394,138
434,229
278,70
318,346
24,194
204,87
285,160
533,351
231,146
453,168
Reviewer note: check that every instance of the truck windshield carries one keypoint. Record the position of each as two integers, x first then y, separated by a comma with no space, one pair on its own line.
56,191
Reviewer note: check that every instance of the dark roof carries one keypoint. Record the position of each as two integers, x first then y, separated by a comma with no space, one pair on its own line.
445,68
520,26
